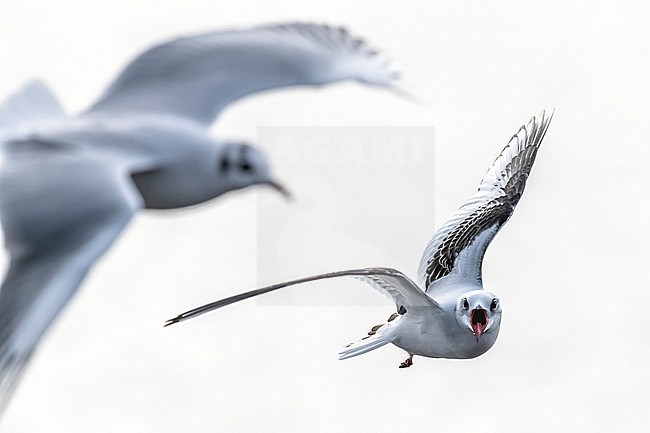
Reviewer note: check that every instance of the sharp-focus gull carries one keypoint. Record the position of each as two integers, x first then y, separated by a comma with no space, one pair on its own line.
448,314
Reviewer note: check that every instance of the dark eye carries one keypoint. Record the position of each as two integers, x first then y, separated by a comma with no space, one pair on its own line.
245,167
464,304
494,304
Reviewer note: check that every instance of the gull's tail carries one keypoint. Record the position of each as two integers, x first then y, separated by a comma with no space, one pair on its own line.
366,345
33,101
378,336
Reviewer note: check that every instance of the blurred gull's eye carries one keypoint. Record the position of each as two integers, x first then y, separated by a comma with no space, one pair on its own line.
494,304
464,304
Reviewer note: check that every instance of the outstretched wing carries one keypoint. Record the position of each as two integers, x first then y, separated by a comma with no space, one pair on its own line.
390,282
33,101
458,247
59,213
197,76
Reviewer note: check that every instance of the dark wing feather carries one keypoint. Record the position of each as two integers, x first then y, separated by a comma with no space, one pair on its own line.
458,247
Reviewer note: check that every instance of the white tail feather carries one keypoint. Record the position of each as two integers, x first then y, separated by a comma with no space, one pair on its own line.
360,347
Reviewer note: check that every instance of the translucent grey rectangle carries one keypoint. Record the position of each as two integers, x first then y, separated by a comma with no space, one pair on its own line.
364,197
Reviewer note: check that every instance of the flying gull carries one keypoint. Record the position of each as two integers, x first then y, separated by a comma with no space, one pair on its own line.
448,314
70,184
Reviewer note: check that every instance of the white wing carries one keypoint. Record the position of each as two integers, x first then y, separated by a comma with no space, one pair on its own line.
60,211
458,247
390,282
197,76
33,101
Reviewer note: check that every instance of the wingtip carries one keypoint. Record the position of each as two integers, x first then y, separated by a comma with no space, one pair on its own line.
531,128
404,86
546,115
550,116
343,356
543,121
407,93
172,321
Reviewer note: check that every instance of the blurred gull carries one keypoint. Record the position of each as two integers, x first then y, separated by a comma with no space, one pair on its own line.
69,185
453,317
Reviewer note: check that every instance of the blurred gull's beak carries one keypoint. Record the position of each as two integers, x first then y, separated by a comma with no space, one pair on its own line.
280,188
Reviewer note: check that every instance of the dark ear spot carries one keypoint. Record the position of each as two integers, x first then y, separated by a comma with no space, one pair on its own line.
224,163
245,167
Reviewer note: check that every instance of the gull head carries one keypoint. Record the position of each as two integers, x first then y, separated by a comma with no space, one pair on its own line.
478,312
240,165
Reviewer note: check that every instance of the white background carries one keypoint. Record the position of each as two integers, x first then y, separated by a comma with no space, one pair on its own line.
570,267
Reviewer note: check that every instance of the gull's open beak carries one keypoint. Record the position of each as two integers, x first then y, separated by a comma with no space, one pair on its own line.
280,188
479,321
